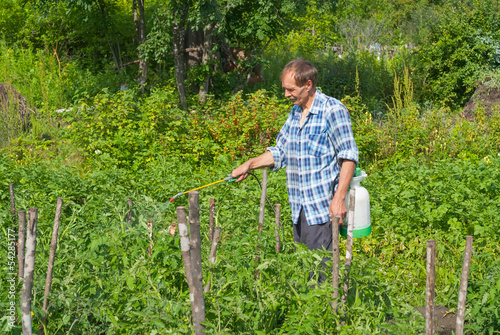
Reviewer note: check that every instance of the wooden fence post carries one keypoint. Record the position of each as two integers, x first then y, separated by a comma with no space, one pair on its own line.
211,219
29,270
430,287
336,260
150,228
52,255
21,240
277,228
197,299
129,213
261,215
12,199
213,252
462,294
349,242
184,238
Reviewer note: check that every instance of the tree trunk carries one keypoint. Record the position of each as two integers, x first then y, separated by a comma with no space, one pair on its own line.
29,270
140,30
102,9
178,37
207,47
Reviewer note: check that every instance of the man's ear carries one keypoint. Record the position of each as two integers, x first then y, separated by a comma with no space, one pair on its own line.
309,84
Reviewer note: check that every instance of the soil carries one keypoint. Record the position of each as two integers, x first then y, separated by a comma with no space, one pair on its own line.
485,96
444,319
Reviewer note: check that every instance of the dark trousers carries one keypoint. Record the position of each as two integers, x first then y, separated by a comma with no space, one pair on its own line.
315,237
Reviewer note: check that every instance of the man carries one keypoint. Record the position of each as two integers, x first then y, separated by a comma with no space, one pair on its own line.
316,145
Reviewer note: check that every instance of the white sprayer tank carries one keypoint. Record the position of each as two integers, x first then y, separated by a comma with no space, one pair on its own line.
362,222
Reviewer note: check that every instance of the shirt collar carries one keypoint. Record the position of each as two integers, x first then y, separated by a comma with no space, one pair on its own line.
316,105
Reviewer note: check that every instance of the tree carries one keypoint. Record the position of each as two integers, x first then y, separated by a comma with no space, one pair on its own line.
140,29
206,30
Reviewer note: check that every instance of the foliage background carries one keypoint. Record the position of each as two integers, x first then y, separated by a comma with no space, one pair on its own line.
406,69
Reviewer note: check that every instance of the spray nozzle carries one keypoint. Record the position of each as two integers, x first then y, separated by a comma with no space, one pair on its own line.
230,179
175,196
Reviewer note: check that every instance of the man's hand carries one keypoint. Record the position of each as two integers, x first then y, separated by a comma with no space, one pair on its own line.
337,208
264,160
241,172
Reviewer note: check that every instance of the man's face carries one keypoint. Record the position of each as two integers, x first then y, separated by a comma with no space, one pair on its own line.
297,95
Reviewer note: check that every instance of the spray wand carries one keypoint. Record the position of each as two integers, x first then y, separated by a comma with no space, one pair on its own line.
229,179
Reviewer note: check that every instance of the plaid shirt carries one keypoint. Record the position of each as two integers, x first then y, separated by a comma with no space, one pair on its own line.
313,154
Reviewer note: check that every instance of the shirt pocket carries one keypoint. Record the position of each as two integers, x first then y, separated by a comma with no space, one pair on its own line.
318,144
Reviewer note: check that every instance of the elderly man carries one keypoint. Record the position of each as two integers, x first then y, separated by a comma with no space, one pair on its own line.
316,145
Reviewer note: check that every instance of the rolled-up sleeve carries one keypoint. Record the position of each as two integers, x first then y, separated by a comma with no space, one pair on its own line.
342,136
279,151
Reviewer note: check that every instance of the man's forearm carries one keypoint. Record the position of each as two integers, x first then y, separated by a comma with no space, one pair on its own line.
264,160
346,173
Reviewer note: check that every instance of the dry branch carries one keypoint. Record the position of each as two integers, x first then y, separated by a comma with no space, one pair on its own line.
52,255
213,252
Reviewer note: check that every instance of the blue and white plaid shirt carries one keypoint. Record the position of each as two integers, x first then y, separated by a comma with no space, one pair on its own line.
313,154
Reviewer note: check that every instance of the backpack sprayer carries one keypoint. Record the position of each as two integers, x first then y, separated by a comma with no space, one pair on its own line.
229,179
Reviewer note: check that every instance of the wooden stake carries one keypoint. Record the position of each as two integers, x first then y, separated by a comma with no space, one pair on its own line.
12,199
29,270
184,237
52,255
129,213
150,228
430,287
336,260
172,228
462,294
21,243
211,219
349,242
261,215
277,228
263,200
213,252
197,299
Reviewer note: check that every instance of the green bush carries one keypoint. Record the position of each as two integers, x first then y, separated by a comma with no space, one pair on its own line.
459,48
